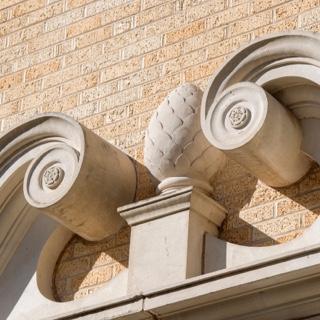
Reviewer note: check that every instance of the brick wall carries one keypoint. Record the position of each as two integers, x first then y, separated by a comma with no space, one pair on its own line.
109,63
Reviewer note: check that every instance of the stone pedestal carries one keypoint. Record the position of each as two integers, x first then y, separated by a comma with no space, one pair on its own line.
167,237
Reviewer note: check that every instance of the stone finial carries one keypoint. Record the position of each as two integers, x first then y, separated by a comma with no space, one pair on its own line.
176,151
69,173
262,109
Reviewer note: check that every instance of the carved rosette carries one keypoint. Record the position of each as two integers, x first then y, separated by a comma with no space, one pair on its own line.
71,174
261,108
176,151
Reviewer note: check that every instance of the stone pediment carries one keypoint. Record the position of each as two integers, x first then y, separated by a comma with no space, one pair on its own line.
260,105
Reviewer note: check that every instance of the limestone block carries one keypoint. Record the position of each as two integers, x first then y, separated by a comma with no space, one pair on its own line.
170,256
69,173
176,151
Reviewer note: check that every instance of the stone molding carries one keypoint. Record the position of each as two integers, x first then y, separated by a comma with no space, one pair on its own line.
68,172
286,78
176,151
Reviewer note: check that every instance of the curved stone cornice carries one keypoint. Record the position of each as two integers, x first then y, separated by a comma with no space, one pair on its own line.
68,172
286,68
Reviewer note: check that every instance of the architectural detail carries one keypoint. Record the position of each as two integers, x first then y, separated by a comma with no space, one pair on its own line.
239,116
171,256
176,151
285,74
251,127
52,177
71,174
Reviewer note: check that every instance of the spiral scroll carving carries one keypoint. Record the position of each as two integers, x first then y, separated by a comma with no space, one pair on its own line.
276,72
71,174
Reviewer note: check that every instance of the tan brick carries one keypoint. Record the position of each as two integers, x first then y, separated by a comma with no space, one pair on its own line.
13,53
165,83
227,16
309,217
124,39
289,236
141,77
40,70
142,47
10,81
227,46
122,25
44,96
147,4
240,235
83,248
79,84
310,17
27,6
8,3
99,91
275,227
64,19
83,26
311,181
61,104
120,98
93,122
251,23
121,69
162,54
186,32
261,5
94,36
30,60
101,62
204,9
94,277
283,25
155,13
25,34
115,114
12,25
22,90
46,40
309,200
65,47
17,118
45,13
204,39
264,194
9,109
84,110
71,4
146,104
203,70
84,55
182,62
53,79
120,12
102,5
294,7
165,25
73,267
257,214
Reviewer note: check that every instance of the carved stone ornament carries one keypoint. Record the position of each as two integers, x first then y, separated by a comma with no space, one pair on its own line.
68,172
262,108
176,151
